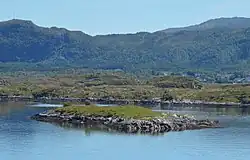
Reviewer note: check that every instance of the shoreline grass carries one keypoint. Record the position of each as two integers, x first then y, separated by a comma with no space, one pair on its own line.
127,112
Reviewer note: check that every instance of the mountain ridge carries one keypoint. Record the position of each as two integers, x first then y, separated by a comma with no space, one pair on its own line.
232,23
210,47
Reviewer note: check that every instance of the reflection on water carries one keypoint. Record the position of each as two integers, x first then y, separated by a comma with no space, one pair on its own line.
92,129
10,107
24,139
205,109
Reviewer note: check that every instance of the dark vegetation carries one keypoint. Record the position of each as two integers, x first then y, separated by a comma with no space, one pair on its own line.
215,45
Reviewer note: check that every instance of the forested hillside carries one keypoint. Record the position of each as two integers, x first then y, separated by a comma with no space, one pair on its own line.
220,44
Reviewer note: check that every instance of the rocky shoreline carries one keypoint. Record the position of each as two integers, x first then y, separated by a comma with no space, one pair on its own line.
147,126
117,101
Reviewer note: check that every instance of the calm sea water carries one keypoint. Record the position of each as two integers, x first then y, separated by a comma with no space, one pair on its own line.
23,139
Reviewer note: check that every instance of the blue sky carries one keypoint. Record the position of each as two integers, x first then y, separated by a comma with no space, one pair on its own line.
121,16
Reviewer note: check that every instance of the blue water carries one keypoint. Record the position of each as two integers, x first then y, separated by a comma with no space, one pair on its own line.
23,139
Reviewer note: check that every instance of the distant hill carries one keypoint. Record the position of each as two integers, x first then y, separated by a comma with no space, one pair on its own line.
229,23
218,44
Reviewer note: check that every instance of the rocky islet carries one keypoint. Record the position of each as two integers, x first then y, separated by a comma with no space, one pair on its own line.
153,125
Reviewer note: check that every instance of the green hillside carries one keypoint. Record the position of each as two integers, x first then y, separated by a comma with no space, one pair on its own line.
214,47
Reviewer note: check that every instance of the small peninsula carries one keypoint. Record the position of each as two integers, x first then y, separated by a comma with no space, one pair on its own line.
126,119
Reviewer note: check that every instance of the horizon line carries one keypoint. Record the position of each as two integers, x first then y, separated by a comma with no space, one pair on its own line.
121,33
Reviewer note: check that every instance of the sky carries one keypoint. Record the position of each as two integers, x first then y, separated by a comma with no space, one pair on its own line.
96,17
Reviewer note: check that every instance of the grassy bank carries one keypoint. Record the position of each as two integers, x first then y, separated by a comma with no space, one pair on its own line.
121,111
118,85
